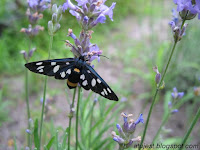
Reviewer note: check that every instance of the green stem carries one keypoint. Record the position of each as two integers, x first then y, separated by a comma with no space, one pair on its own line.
27,105
183,22
121,148
154,98
77,110
44,92
70,118
27,99
91,120
196,118
159,130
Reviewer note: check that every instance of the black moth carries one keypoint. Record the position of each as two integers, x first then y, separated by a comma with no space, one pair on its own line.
75,70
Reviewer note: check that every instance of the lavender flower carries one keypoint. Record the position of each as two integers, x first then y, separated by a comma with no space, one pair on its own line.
83,47
175,95
31,32
125,138
38,5
176,26
53,24
158,75
29,55
188,9
89,12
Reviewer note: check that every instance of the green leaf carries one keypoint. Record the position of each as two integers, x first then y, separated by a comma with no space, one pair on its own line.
15,143
65,138
36,136
48,146
167,98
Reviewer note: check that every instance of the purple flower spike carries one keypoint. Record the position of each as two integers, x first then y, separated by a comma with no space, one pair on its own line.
140,119
197,8
68,4
81,2
175,90
174,111
118,140
170,104
109,11
100,19
32,3
180,94
71,34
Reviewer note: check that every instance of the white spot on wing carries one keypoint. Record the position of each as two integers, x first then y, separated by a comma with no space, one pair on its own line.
53,63
82,77
67,63
85,83
63,74
102,93
40,67
88,71
109,90
68,71
93,82
41,70
56,68
105,91
98,80
39,63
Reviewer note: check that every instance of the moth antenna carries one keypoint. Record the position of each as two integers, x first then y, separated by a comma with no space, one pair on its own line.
104,56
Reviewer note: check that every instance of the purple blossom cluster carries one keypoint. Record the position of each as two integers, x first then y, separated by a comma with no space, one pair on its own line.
83,47
178,26
125,138
176,96
34,13
89,12
188,8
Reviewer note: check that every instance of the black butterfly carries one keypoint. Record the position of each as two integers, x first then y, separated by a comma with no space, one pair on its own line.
75,70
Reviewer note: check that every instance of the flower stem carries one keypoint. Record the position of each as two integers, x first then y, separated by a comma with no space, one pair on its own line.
44,92
155,95
70,118
27,98
162,124
196,118
27,105
91,120
77,110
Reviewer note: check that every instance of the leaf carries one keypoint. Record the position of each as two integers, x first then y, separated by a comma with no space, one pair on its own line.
15,143
48,146
65,138
36,136
167,98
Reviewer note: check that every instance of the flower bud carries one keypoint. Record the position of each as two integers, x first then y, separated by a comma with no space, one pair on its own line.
54,18
31,52
50,27
24,54
56,28
54,8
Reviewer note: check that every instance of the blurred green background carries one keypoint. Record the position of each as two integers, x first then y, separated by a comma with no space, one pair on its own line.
138,39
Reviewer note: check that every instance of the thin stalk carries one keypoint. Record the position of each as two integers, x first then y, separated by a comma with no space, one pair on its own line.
77,110
91,120
121,148
27,99
162,124
196,118
27,105
154,98
44,92
70,118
